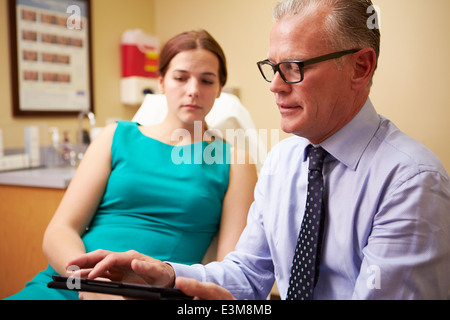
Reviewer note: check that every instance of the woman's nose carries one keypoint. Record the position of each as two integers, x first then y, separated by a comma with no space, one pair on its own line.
193,88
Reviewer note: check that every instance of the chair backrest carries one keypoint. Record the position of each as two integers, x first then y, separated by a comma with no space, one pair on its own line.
228,116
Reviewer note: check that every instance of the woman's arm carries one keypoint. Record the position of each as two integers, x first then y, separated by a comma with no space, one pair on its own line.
237,202
62,239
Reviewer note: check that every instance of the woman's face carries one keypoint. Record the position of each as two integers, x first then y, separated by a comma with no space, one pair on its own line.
191,84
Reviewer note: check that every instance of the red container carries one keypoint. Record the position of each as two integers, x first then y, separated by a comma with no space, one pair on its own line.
140,53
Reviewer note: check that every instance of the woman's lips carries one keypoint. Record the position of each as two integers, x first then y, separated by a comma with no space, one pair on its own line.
192,107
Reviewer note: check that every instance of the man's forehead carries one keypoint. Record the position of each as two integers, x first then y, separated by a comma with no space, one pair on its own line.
294,37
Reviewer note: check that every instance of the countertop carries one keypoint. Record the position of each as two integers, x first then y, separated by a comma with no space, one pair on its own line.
56,178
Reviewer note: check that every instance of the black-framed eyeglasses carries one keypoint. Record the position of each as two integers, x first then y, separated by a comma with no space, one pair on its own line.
291,71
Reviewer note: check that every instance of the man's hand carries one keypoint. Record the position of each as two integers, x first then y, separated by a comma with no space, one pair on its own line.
203,290
129,266
134,267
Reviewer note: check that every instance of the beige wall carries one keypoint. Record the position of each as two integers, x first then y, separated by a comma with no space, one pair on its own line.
109,20
242,28
411,85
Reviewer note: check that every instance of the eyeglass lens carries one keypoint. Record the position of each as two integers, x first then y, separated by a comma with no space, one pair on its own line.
290,71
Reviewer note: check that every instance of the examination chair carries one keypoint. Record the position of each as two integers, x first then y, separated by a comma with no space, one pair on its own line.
228,113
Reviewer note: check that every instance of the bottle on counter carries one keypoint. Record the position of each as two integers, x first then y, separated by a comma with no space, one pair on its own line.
66,149
55,154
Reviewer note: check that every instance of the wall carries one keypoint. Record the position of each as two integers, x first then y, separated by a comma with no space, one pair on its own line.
413,81
242,28
109,20
411,85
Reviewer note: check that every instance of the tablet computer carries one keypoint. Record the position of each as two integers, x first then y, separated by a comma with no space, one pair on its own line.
137,291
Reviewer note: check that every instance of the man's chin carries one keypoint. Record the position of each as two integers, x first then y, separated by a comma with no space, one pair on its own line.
288,127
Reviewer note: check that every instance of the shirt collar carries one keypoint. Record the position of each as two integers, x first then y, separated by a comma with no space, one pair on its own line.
348,144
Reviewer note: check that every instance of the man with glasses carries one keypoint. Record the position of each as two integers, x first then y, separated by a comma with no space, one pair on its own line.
377,222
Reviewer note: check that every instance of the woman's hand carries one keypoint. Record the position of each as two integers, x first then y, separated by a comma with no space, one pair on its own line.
99,296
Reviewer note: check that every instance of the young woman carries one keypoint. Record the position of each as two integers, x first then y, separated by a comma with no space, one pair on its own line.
130,193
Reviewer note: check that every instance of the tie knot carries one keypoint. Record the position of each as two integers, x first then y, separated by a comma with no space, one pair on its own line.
316,157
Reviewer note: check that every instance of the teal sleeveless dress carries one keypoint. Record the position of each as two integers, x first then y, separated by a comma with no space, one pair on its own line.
161,200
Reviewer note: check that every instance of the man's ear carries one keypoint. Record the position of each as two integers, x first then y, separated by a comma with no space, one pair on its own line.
363,68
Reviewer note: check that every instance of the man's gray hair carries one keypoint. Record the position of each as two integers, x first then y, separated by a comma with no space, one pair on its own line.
347,25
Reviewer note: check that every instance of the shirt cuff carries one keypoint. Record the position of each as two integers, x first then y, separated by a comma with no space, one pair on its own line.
194,272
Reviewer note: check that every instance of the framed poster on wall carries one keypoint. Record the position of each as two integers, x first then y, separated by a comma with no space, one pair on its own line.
51,61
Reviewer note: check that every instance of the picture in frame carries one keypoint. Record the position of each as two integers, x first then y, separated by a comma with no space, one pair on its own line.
51,59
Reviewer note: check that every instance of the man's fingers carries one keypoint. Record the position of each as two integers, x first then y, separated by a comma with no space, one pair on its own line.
130,266
80,273
104,263
114,265
88,260
154,272
203,290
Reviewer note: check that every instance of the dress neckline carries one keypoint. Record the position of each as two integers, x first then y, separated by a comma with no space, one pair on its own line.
167,144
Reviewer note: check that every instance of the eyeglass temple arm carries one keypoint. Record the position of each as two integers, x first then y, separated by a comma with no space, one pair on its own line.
330,56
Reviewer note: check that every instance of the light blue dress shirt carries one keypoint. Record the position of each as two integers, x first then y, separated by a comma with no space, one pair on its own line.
388,219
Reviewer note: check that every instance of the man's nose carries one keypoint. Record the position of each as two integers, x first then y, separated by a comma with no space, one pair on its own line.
278,84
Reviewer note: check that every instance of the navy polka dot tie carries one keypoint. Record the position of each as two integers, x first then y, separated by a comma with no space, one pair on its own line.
304,272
